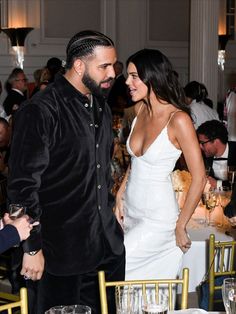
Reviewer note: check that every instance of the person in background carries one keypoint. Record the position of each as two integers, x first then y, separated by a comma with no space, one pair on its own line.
196,97
14,231
5,136
54,66
60,170
118,98
230,114
146,205
37,75
230,209
219,153
17,82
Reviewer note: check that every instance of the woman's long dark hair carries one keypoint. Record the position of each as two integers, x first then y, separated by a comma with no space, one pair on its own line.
156,72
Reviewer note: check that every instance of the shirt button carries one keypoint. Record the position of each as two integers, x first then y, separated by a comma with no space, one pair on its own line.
91,124
99,207
99,186
98,166
100,109
96,126
86,105
97,145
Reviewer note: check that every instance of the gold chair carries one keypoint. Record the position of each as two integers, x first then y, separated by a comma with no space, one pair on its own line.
22,303
221,262
169,283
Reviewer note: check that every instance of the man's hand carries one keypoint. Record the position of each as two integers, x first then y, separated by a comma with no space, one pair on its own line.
33,266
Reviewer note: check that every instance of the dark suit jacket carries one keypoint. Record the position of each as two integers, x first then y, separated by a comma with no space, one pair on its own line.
230,209
230,162
13,98
8,237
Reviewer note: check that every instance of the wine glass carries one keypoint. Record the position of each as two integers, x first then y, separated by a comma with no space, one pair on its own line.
232,175
209,199
229,295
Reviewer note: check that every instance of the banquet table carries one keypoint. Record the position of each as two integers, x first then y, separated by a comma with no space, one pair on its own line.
196,258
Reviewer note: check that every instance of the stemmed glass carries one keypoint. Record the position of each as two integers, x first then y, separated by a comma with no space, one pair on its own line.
209,199
229,295
232,175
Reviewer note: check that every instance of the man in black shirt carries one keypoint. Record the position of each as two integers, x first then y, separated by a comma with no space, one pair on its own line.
60,170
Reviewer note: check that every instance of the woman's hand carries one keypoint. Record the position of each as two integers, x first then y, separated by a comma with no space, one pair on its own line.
119,210
182,239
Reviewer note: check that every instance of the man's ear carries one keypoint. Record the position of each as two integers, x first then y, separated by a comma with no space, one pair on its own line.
79,66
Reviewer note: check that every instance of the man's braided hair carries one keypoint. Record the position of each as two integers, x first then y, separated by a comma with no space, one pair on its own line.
83,44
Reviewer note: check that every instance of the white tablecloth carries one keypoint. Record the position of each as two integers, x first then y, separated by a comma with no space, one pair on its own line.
193,311
196,259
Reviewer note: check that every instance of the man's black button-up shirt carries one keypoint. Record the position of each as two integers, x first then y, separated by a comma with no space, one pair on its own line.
60,169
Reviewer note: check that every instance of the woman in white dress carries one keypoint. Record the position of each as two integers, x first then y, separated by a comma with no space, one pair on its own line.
146,207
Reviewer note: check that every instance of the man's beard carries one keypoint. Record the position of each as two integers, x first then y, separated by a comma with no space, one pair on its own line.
95,88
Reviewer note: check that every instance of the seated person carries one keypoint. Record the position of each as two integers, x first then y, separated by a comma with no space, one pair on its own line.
219,153
230,209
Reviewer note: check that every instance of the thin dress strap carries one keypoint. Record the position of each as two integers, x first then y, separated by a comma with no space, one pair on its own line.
171,116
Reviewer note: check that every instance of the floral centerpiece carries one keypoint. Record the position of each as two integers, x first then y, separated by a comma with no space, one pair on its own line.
181,180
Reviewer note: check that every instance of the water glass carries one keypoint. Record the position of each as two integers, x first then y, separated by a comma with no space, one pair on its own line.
229,295
55,310
153,303
127,300
16,211
76,309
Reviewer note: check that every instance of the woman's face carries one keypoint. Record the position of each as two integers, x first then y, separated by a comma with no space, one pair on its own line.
138,90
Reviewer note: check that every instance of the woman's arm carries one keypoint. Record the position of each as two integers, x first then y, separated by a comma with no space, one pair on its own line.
119,206
185,137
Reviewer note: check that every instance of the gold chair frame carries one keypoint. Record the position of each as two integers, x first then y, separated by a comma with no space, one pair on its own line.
170,283
218,251
22,303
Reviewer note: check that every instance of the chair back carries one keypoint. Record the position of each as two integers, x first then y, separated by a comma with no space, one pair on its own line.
221,262
21,304
170,285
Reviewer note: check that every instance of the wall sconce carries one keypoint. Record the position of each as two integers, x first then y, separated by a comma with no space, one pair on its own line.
223,39
17,37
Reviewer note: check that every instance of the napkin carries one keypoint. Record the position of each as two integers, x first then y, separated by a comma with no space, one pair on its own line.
188,311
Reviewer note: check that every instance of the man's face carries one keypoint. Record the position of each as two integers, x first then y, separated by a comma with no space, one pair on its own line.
20,82
207,145
99,72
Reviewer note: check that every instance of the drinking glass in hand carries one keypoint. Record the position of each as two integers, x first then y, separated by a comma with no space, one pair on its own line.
229,295
16,211
76,309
